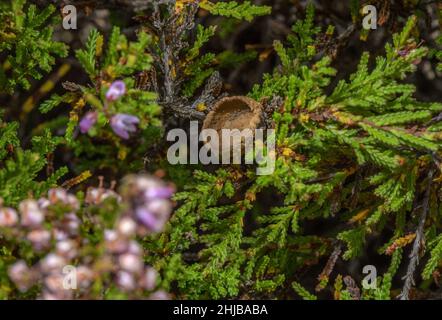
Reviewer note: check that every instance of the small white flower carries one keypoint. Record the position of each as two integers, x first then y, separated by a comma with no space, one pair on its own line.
127,227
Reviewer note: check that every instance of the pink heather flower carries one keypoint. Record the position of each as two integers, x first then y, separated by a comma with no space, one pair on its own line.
159,295
125,281
131,263
40,239
59,235
113,242
52,263
88,121
60,195
403,53
122,124
148,219
31,215
110,235
406,52
8,217
134,248
151,206
154,214
71,224
152,220
67,249
160,207
116,90
43,203
159,193
84,276
21,275
98,195
127,227
54,282
57,295
149,279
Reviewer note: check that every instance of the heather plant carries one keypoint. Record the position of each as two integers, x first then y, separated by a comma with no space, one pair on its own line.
113,106
21,168
26,41
351,210
96,232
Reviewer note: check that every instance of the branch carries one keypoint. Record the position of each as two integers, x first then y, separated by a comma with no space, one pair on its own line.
418,241
128,5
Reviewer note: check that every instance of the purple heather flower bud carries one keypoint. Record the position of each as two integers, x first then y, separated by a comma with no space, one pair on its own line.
43,203
54,282
52,263
126,227
122,124
40,239
73,202
125,281
84,276
149,220
154,214
88,121
98,195
59,235
31,215
54,287
21,275
403,53
71,223
160,207
8,217
110,235
143,188
159,295
134,248
61,195
131,263
57,195
58,295
146,182
149,279
158,192
46,295
67,249
116,90
114,243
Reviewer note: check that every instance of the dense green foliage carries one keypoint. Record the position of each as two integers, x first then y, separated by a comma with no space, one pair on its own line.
357,159
27,40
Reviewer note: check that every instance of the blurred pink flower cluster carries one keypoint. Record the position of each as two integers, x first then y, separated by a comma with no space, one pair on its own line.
68,268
